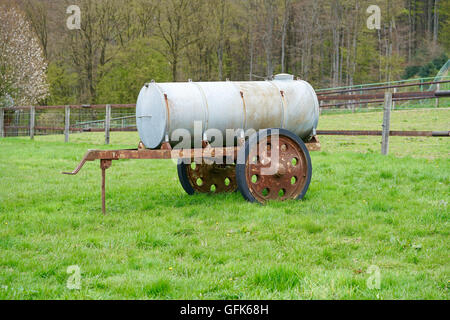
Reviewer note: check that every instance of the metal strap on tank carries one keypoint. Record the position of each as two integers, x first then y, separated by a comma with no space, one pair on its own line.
282,102
244,124
166,101
205,106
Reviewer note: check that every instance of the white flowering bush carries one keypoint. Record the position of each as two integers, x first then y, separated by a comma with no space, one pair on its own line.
22,63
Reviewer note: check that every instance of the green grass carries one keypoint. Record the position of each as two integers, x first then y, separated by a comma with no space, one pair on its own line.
156,242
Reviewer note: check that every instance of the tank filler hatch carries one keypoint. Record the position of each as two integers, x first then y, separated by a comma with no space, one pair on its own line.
283,76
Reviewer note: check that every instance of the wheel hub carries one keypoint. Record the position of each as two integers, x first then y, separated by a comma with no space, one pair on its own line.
287,161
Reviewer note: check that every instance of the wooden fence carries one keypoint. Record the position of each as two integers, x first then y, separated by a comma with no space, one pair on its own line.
388,97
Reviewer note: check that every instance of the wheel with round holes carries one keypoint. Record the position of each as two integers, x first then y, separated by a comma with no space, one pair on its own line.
274,164
204,178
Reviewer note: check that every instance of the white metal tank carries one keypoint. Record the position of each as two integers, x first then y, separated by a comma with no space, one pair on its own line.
283,102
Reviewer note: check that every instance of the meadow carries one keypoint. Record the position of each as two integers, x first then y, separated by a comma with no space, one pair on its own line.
363,212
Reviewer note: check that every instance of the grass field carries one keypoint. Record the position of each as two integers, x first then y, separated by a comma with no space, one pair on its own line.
362,210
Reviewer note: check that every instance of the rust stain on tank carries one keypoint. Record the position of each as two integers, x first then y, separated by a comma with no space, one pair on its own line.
168,113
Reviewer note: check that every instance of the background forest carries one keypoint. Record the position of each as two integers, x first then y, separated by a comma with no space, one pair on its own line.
122,44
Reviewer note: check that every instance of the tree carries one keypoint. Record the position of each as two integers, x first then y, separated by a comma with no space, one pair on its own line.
174,18
270,9
221,19
63,84
145,13
91,46
129,70
37,15
22,62
325,42
287,5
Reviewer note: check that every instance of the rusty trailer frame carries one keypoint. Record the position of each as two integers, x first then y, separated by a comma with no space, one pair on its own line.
164,152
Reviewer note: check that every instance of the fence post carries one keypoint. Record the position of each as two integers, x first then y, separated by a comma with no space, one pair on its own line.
393,102
107,123
386,123
437,99
360,92
2,123
32,120
421,90
66,123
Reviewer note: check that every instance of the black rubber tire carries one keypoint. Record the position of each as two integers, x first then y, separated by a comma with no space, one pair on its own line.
182,176
252,141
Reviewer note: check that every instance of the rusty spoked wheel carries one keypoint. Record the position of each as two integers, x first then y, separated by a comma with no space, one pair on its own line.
274,165
204,178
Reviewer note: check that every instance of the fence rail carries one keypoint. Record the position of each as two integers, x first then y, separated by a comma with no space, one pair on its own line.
12,119
379,133
416,84
359,87
333,98
74,106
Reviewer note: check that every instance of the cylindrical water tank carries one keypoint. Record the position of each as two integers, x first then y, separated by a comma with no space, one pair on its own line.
162,108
